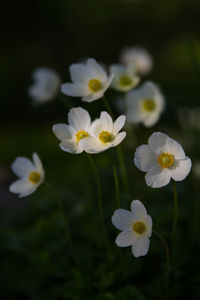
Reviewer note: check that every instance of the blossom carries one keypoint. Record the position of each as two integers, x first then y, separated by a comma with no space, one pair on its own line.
31,175
139,56
145,104
46,85
125,78
136,226
104,133
163,158
78,129
89,81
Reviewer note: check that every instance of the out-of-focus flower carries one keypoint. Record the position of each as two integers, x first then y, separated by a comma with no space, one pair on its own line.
145,104
104,133
139,56
46,85
31,175
163,158
78,129
125,78
136,226
89,81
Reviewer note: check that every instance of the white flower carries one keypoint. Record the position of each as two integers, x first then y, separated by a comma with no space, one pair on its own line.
125,78
46,85
139,56
145,104
31,175
104,134
78,129
90,81
136,226
163,158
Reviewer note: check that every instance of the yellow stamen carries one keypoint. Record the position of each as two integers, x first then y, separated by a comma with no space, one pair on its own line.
149,105
34,177
166,160
105,137
125,81
95,85
81,135
139,227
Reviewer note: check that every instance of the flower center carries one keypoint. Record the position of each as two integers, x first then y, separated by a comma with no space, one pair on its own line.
125,80
149,105
105,137
81,135
34,177
139,227
95,85
165,160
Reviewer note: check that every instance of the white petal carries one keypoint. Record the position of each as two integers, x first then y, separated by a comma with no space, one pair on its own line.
158,177
148,222
140,247
107,122
157,141
182,170
107,83
74,89
71,147
122,219
93,145
144,159
174,148
38,163
96,127
134,110
118,139
79,118
22,167
151,119
21,186
80,73
126,238
118,124
92,97
63,131
30,191
138,209
96,69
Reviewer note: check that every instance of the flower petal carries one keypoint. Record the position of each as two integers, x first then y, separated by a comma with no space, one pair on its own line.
158,177
74,89
79,73
71,147
96,70
92,96
157,141
122,219
93,145
151,119
144,159
182,170
79,118
138,209
140,247
38,163
21,186
107,122
22,167
118,124
63,131
174,148
126,238
118,139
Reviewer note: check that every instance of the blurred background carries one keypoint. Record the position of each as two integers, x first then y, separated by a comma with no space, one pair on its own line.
35,262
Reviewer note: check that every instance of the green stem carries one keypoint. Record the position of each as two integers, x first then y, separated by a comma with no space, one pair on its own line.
123,170
100,205
107,106
175,216
116,180
166,255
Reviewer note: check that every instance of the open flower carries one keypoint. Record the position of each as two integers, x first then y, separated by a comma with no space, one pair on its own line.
46,85
31,175
90,81
104,134
139,56
125,78
136,226
145,104
78,129
163,158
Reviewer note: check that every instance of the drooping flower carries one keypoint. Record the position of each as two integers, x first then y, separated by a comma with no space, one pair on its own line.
125,78
145,104
89,81
136,226
104,133
31,175
163,158
78,129
46,85
139,56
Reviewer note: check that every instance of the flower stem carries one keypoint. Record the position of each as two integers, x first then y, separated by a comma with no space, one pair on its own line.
116,180
100,204
175,217
166,255
123,170
107,106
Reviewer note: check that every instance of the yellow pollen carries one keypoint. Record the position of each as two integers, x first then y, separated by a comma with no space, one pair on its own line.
139,227
34,177
149,105
166,160
81,135
95,85
125,81
105,137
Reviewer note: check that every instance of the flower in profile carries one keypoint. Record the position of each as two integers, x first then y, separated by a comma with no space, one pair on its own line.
163,158
31,175
125,78
136,226
46,85
104,133
139,56
73,134
89,81
145,104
